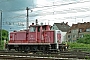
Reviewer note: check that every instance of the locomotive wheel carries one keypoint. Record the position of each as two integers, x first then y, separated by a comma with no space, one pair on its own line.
42,48
27,49
35,48
16,49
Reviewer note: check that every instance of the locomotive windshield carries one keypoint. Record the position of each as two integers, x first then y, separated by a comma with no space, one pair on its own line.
32,29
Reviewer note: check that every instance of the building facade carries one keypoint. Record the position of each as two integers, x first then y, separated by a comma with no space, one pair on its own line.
78,31
63,27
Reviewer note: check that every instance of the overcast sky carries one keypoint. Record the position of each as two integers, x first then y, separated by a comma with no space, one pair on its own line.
78,11
46,11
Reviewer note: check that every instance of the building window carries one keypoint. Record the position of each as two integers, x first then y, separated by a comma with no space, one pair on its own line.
88,30
74,36
80,30
53,27
74,31
69,40
74,40
64,27
69,36
69,31
81,35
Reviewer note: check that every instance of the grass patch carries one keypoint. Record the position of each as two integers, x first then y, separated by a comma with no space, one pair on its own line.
79,46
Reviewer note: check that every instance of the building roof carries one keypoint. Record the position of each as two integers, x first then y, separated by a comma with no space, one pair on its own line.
64,27
82,26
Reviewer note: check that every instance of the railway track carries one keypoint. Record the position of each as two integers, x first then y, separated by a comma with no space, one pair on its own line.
66,55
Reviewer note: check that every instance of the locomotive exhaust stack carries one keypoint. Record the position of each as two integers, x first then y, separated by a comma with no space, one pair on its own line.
36,22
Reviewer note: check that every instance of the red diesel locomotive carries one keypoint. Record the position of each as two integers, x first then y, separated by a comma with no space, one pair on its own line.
36,38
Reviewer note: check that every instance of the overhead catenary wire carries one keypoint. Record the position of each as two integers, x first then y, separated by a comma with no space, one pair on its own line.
47,6
43,14
55,11
22,16
52,6
63,4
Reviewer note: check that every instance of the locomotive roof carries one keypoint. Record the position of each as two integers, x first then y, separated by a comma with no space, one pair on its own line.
37,25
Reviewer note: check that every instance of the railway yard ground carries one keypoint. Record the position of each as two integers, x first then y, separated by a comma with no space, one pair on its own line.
65,55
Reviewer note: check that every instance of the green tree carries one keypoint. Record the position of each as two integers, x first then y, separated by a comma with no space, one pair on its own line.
85,39
4,35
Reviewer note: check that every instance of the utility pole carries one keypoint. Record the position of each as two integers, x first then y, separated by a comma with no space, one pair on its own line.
27,23
27,18
1,29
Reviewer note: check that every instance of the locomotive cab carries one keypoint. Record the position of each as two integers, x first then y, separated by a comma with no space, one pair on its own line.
38,28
